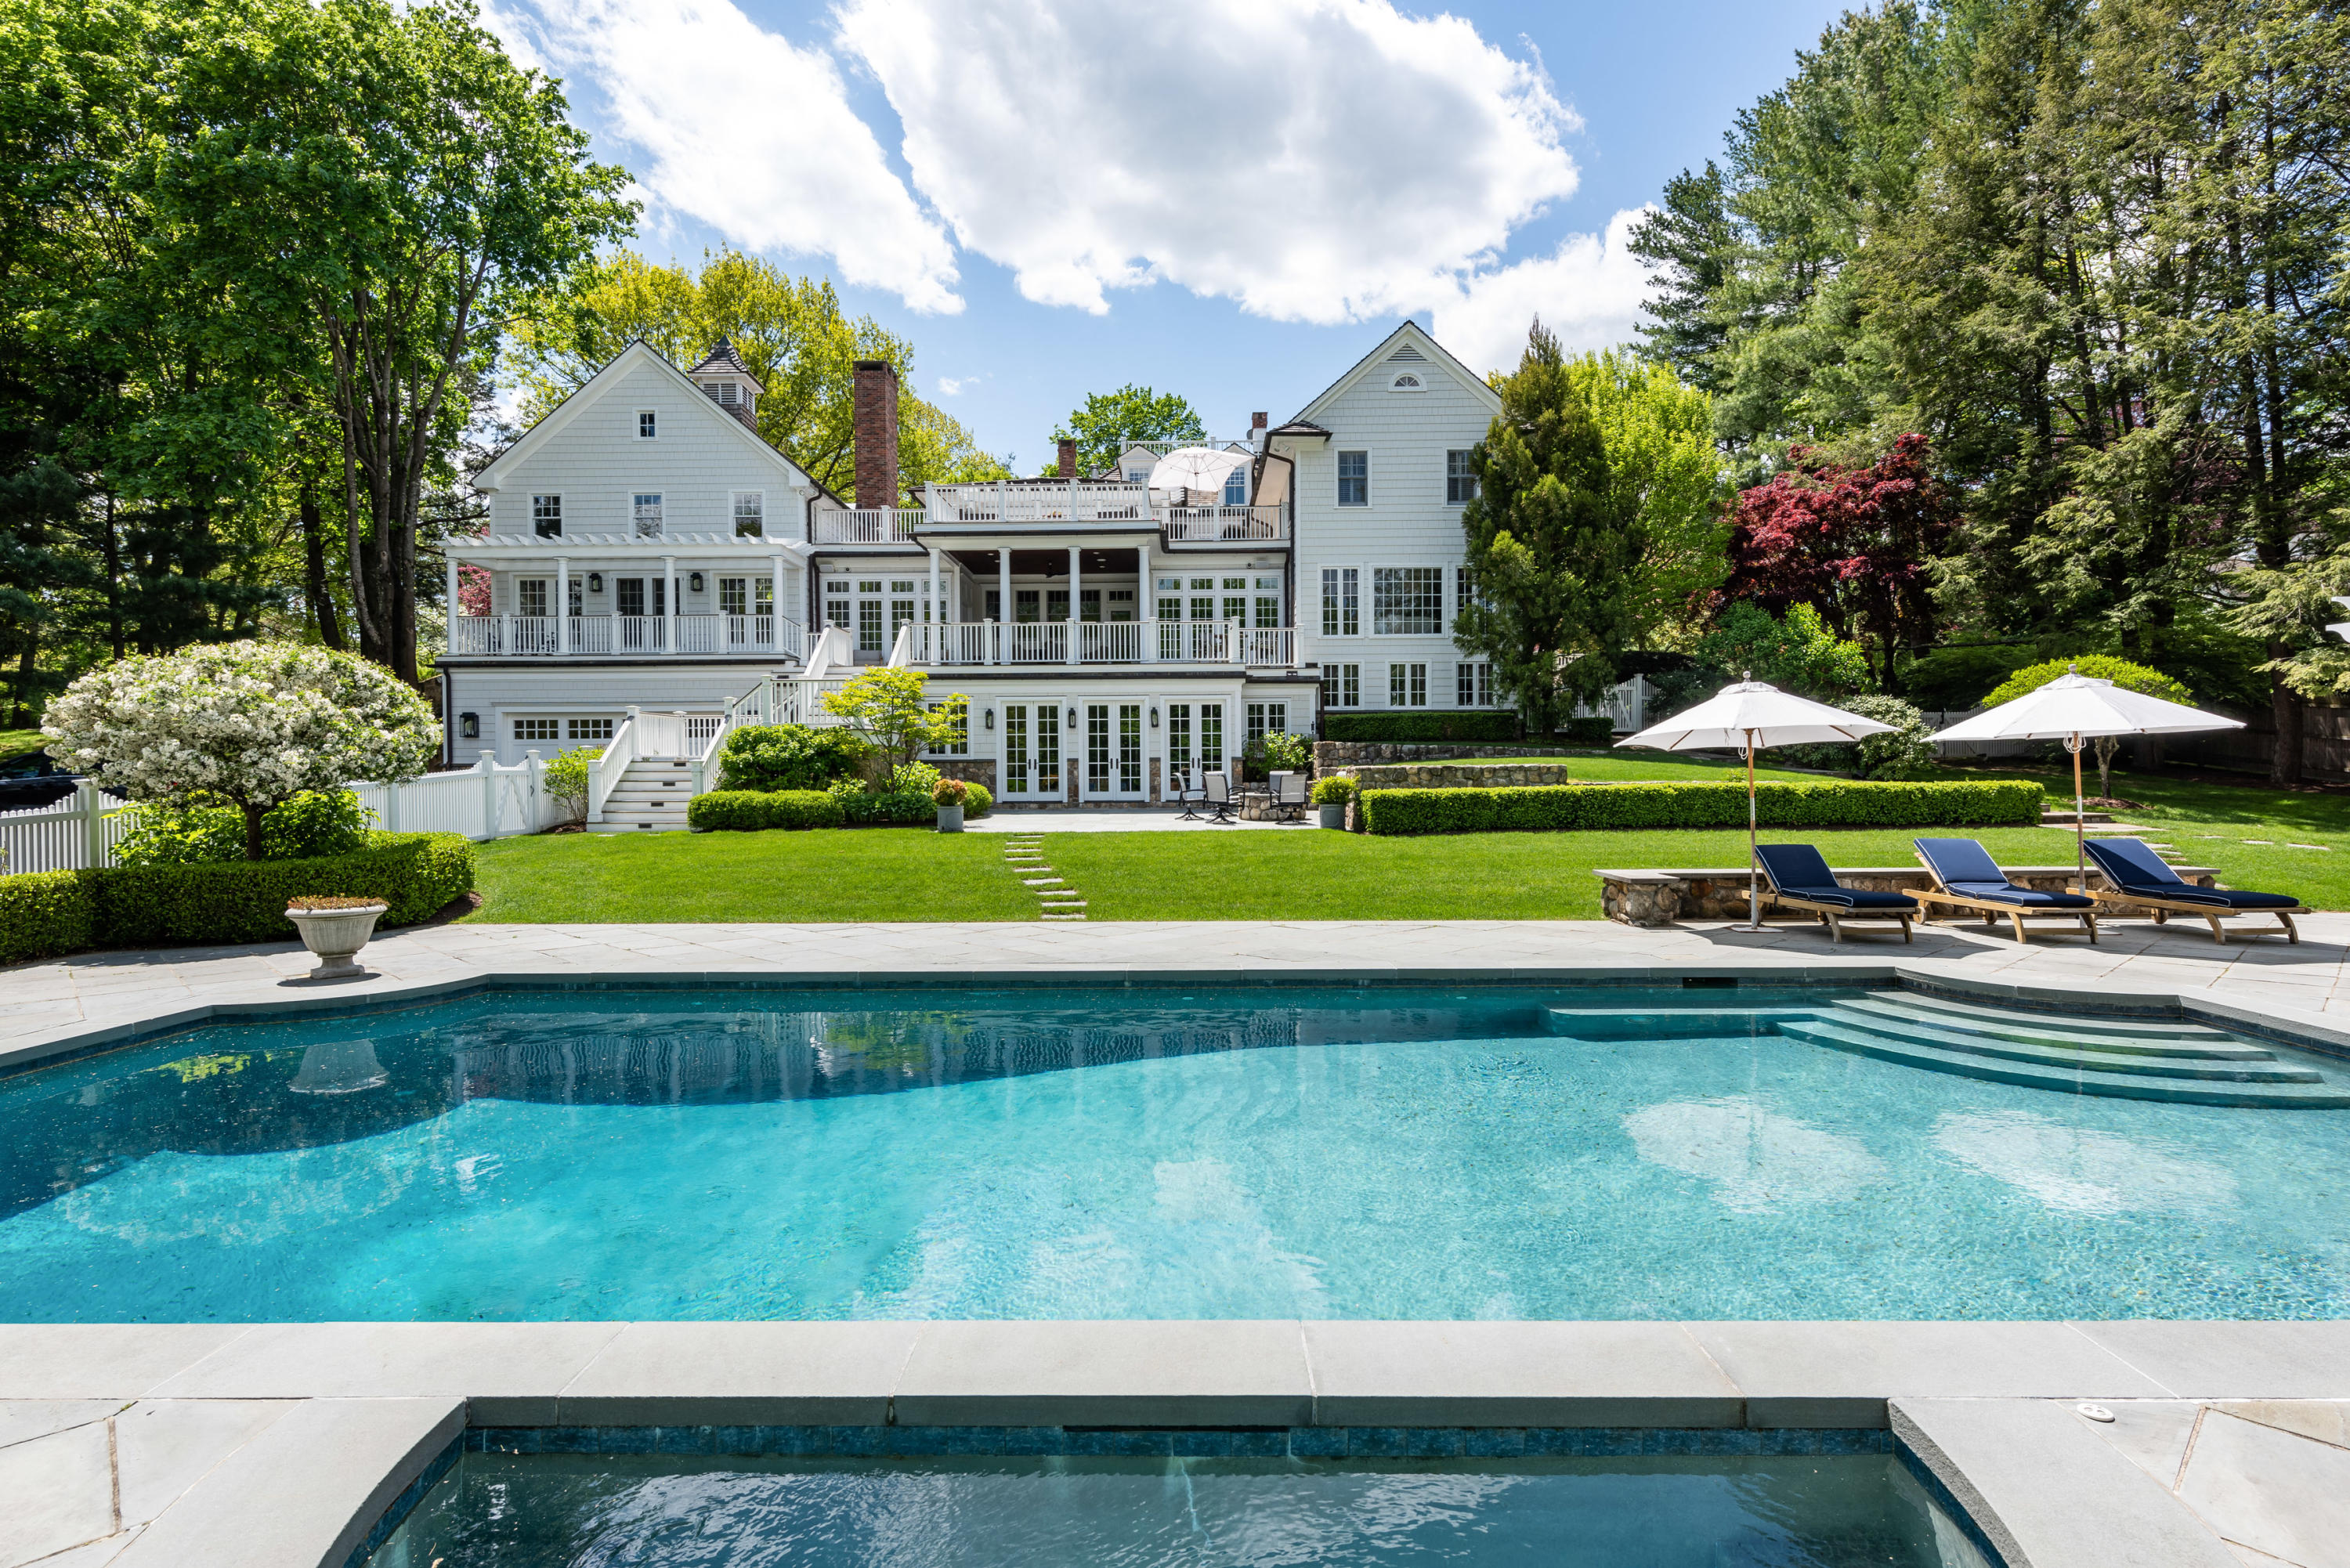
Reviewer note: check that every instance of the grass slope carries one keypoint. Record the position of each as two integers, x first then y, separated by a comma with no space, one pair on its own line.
873,874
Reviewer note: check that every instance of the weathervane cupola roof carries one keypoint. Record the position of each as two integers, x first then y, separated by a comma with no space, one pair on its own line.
722,360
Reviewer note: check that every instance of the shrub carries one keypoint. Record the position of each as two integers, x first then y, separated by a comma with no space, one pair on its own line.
1571,807
755,811
769,757
1287,754
50,912
1421,724
1589,730
2095,666
567,781
1904,752
904,798
977,801
1335,789
313,824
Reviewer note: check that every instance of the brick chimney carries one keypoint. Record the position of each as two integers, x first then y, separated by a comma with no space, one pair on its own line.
1068,458
1258,425
875,431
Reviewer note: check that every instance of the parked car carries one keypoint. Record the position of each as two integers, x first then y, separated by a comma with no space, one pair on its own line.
32,779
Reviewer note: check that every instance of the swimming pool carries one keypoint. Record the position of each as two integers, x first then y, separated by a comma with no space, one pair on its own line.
544,1511
1255,1153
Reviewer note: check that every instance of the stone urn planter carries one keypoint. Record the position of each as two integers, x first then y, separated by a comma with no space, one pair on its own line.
950,819
336,929
1334,816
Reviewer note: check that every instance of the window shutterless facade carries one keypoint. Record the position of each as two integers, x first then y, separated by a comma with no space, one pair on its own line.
648,424
960,745
1236,487
647,512
1354,479
1459,478
1406,685
836,605
1341,601
1474,685
734,596
1267,718
546,517
1342,686
530,596
750,514
590,729
1406,600
535,729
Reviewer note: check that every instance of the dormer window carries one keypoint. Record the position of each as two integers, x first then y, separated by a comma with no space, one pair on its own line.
647,425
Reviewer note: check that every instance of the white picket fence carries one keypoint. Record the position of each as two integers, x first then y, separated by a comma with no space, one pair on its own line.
484,801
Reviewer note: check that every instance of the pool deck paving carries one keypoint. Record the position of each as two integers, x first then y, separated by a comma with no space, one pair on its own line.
261,1444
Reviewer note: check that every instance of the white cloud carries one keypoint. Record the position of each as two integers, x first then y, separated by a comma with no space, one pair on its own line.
1319,160
745,131
1589,291
951,388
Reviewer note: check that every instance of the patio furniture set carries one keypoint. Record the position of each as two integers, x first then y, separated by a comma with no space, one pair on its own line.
1283,799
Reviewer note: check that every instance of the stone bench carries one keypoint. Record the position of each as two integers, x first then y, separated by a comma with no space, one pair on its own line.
1719,893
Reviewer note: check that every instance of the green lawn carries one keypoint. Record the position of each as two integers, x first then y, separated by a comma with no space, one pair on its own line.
1629,767
872,873
908,875
16,743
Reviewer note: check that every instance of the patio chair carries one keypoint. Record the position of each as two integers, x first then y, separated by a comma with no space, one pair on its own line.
2142,883
1967,877
1219,796
1289,793
1800,879
1188,793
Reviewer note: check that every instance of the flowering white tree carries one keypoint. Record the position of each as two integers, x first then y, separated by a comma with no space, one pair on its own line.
250,723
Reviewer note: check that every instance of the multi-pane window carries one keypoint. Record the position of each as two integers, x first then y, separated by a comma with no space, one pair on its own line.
1475,685
1211,737
1460,591
1342,612
995,603
901,604
575,595
1204,599
1170,598
868,617
1406,685
1267,718
1407,599
530,596
1342,686
1236,599
1459,478
647,425
535,729
1354,479
590,729
1027,606
1121,604
629,595
734,596
1129,748
1097,747
960,745
546,517
1236,487
647,512
1057,604
750,514
835,604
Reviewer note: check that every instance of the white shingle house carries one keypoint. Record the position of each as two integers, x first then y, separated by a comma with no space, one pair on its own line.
658,572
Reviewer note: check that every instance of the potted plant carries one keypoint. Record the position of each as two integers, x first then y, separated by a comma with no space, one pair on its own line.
335,929
948,795
1333,794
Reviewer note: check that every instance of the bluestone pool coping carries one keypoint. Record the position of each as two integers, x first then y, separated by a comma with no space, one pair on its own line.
1984,1409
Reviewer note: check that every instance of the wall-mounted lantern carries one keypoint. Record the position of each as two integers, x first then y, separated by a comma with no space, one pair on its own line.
988,717
1154,715
1072,723
595,582
695,582
469,726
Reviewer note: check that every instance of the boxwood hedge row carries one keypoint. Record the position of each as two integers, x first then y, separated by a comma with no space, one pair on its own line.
44,914
755,810
1829,803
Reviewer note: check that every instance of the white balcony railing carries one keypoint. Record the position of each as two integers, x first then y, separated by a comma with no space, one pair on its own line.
1057,501
1199,523
867,525
1103,642
605,636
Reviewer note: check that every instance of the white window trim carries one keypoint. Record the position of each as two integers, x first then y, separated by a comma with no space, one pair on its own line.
640,415
629,519
733,522
1371,493
1418,378
1450,504
1371,598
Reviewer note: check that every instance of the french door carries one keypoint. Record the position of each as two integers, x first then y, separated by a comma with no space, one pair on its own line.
1114,767
1032,752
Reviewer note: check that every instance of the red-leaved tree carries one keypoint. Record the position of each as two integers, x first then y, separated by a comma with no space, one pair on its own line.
1852,543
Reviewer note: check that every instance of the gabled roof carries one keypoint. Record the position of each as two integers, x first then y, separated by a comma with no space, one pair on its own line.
1420,347
592,392
724,361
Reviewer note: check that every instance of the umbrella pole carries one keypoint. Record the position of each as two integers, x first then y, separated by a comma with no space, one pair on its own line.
1754,887
2080,831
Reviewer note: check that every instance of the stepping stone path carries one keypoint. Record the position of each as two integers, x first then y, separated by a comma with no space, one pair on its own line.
1026,854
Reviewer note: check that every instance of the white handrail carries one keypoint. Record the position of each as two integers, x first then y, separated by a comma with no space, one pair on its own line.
604,771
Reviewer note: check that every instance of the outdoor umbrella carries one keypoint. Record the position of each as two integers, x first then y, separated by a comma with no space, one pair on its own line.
1195,468
1756,717
2074,708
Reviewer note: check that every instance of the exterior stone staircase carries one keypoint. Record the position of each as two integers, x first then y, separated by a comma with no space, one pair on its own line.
650,798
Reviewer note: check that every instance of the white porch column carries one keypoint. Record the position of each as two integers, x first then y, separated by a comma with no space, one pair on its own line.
1076,562
1002,592
938,613
449,564
562,605
776,608
1146,603
668,603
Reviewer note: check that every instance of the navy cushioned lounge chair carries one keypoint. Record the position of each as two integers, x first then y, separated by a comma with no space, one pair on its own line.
1801,879
1967,877
2142,882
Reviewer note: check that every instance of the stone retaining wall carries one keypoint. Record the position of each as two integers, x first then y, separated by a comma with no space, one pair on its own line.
1455,775
1344,756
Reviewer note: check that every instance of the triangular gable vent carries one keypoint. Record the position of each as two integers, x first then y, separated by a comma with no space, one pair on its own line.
1407,353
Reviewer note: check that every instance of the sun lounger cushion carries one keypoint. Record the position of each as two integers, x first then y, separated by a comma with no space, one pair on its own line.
1798,871
1966,869
2134,868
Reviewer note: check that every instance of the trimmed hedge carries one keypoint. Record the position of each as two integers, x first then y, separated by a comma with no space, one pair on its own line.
1407,727
44,914
755,811
1573,807
1590,730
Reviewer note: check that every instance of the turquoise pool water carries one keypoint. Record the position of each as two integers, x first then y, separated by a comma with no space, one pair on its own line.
1240,1154
546,1511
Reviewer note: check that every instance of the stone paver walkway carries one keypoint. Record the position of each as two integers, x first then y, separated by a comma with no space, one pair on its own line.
45,1000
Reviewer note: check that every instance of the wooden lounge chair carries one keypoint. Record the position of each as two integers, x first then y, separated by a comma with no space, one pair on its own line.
1967,877
2142,883
1800,879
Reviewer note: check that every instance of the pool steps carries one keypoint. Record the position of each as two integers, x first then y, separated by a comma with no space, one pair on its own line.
2128,1058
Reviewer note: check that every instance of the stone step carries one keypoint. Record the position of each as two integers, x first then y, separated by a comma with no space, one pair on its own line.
1061,916
1670,1023
638,826
2266,1069
2135,1028
2069,1080
1900,1015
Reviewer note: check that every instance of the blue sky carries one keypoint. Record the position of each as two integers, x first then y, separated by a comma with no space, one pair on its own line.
1229,199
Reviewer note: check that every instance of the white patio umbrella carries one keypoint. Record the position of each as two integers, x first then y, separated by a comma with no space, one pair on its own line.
1195,468
2074,708
1755,716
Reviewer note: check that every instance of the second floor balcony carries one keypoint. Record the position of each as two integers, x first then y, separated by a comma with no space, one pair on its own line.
967,644
1051,505
626,636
